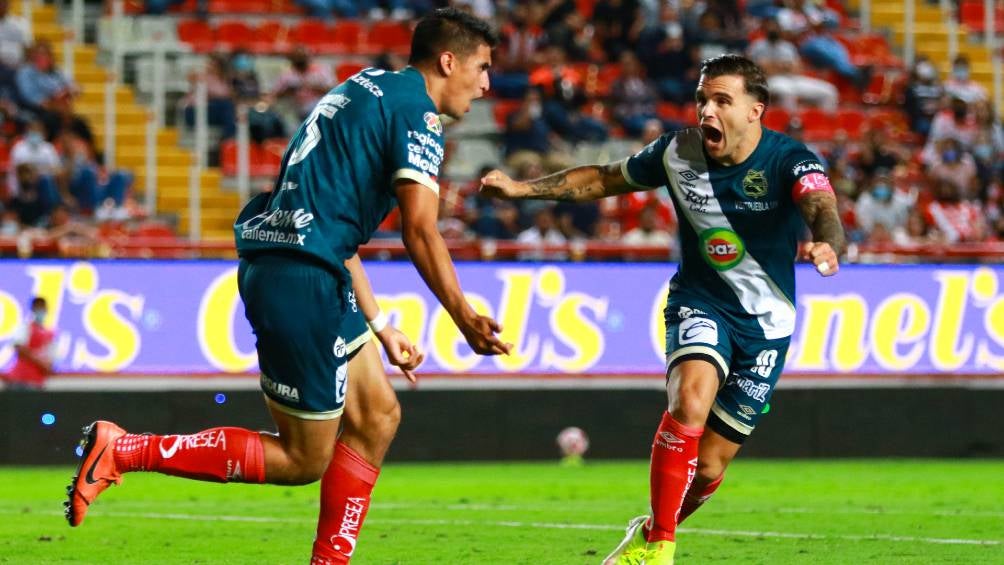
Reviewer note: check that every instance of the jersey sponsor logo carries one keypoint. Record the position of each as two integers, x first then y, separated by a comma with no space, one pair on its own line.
339,348
686,312
696,202
341,382
722,248
366,83
351,297
432,123
805,167
279,226
169,445
698,330
813,182
279,389
753,389
755,184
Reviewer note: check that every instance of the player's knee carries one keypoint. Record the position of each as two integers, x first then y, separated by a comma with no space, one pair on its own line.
689,406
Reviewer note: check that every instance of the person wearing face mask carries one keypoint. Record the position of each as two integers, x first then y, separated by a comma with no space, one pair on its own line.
958,122
779,58
43,89
35,348
956,167
882,205
923,96
32,149
961,84
303,83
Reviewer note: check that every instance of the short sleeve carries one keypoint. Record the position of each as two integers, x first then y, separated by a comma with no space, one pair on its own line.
804,173
645,168
416,146
21,335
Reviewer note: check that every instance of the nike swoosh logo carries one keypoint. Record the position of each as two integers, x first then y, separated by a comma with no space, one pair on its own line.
89,477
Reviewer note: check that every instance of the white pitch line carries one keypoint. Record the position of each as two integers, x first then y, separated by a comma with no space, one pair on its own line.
547,525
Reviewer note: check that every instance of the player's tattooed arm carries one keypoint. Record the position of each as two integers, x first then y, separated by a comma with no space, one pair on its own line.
588,182
819,209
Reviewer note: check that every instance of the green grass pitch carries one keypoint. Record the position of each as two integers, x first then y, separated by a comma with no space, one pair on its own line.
815,512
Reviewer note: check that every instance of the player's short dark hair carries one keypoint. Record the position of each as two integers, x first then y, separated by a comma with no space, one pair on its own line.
754,81
449,29
37,301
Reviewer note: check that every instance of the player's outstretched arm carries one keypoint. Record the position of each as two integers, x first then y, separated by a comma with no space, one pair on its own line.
400,351
587,182
819,209
428,251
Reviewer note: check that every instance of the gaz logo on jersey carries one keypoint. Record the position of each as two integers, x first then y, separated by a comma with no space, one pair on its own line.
433,124
722,248
755,184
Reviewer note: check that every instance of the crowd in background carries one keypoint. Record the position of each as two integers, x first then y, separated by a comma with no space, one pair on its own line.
569,78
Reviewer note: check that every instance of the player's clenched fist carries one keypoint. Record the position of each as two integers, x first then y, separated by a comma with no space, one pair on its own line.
820,254
479,331
498,184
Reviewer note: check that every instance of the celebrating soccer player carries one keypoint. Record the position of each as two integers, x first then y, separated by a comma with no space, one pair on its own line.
742,193
373,142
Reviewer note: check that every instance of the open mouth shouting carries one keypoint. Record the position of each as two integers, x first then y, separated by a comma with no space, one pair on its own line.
714,138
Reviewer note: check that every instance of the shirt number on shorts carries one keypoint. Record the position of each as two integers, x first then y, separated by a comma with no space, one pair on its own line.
765,362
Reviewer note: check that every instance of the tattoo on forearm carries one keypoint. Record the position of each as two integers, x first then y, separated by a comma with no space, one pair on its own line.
820,212
587,182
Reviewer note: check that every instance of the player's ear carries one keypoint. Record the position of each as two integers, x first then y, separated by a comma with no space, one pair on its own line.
447,62
756,111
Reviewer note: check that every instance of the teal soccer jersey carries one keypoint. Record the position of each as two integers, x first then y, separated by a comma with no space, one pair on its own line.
336,181
739,225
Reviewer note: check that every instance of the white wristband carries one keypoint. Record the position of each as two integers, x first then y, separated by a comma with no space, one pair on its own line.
379,323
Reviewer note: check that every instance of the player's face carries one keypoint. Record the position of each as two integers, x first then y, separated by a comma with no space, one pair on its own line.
726,114
467,81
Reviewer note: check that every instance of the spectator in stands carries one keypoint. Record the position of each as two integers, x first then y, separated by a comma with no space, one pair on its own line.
15,37
649,233
518,53
961,84
36,196
988,145
35,348
957,219
528,139
634,97
221,112
669,62
780,61
66,231
808,25
92,186
956,167
542,232
711,38
916,231
33,149
488,217
617,24
880,151
577,220
882,205
44,90
957,121
564,96
924,94
575,36
263,123
303,83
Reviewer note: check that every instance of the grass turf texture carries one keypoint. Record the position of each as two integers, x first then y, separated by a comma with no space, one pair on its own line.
814,512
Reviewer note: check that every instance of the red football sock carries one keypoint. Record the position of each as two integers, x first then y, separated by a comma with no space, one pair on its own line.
345,498
674,465
218,454
694,500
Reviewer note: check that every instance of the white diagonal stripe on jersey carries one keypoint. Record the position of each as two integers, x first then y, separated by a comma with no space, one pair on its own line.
757,293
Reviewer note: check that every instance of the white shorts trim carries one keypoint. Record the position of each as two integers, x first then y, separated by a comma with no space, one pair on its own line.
736,425
303,414
690,349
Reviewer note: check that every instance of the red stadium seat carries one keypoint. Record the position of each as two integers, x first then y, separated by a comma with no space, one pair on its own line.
196,33
239,6
384,36
228,157
270,37
233,35
271,157
817,125
344,70
971,14
284,7
348,36
852,121
154,230
314,35
186,7
502,110
776,119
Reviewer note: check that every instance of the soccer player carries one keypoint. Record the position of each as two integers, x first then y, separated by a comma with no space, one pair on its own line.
742,193
373,142
35,346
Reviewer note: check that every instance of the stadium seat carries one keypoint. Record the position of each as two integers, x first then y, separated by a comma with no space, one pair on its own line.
233,35
154,230
344,70
347,36
852,121
228,157
186,7
389,36
284,7
817,125
314,35
971,14
198,34
776,119
238,6
502,110
270,37
271,157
